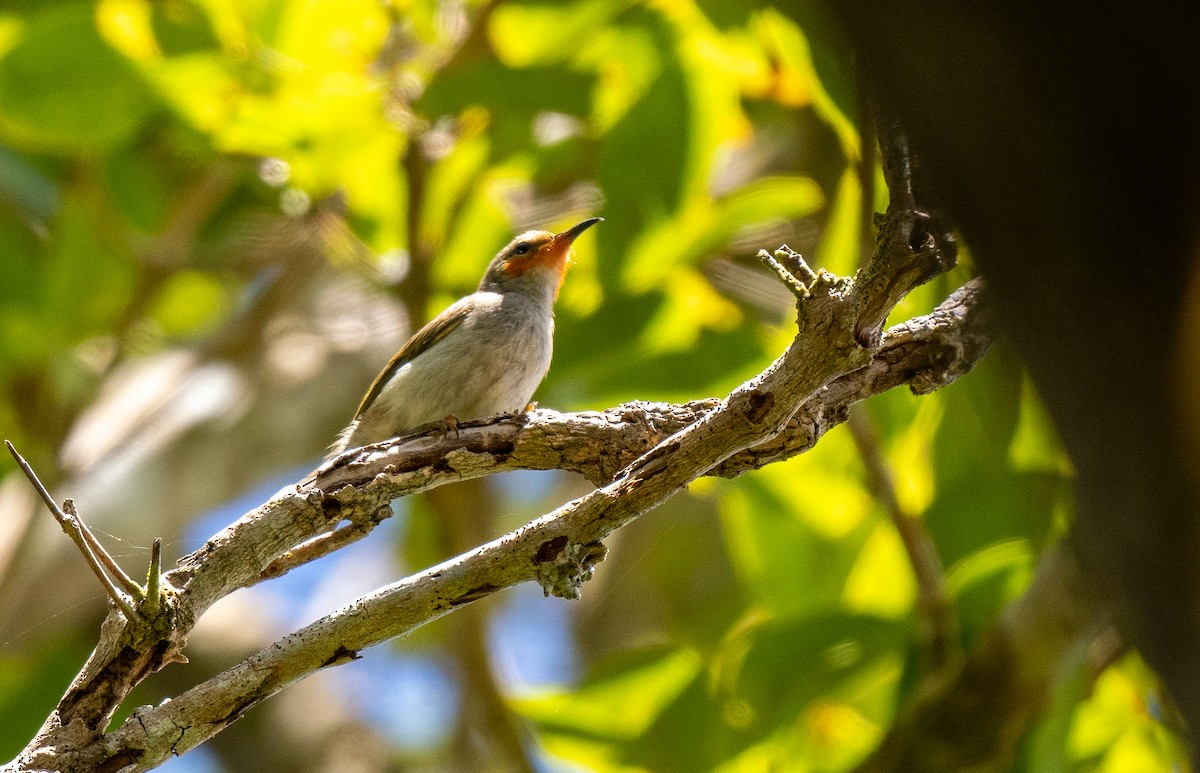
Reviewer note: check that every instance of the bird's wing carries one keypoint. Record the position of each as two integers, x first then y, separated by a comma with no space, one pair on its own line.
435,330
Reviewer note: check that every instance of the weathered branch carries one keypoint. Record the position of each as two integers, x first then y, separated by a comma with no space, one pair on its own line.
757,422
94,554
924,353
774,416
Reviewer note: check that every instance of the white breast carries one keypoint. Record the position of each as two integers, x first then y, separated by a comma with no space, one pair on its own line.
492,363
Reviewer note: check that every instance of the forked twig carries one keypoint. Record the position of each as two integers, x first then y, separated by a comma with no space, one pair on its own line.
98,559
793,283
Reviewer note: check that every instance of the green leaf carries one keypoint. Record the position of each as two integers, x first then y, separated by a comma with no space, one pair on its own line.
795,547
639,198
773,676
620,699
191,302
818,46
64,89
841,244
86,283
448,185
972,470
688,735
1046,751
21,261
673,375
142,187
506,91
26,186
1035,444
779,665
182,27
528,33
707,226
31,679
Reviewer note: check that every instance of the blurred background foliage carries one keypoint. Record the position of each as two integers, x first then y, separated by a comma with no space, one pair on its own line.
219,218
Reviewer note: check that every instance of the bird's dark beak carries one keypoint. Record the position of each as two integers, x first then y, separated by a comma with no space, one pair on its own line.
569,235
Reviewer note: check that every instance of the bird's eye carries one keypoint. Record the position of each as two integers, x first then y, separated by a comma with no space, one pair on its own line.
522,248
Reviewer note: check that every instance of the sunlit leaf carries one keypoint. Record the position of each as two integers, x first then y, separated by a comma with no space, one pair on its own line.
708,225
795,553
190,303
1113,730
819,47
620,699
780,665
1047,751
636,200
1035,444
841,245
448,185
881,581
527,33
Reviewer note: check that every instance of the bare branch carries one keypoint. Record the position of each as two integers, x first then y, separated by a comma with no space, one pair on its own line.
778,413
94,554
558,550
323,545
598,445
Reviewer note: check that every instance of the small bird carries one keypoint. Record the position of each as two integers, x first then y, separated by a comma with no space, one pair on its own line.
484,355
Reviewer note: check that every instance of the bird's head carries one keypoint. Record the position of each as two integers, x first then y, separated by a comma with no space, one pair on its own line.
535,260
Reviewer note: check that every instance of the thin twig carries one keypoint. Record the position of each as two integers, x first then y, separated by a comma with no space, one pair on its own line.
105,558
317,547
557,550
154,578
57,512
789,281
72,525
795,264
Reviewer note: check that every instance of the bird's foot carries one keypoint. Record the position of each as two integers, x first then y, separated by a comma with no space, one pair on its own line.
520,413
450,422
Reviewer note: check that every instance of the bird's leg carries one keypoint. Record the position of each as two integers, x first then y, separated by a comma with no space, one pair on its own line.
450,422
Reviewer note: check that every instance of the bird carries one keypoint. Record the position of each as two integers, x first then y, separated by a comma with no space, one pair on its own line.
484,355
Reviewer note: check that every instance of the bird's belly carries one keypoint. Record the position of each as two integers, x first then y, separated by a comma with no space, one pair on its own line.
468,377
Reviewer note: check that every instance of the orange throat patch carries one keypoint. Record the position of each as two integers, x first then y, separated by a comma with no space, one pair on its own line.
554,255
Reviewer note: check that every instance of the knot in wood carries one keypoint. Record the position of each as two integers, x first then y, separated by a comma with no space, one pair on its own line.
341,655
761,404
564,566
